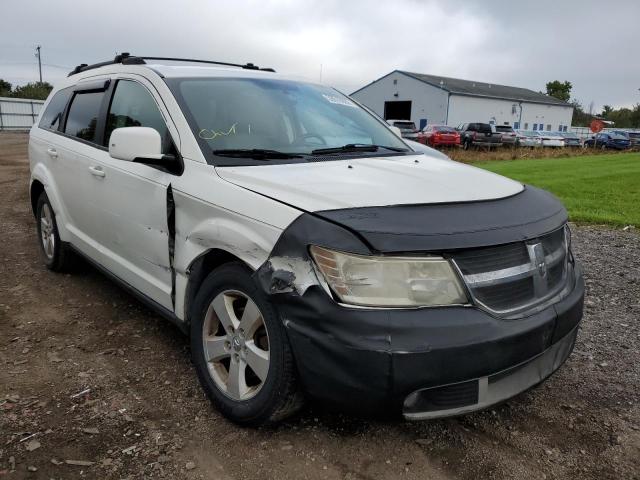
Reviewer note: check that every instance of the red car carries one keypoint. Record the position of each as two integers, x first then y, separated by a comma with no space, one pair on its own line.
439,135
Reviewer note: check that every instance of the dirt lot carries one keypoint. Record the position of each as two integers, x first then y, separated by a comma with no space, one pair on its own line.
143,415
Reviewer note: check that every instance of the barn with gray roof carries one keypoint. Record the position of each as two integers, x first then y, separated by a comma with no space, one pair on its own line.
432,99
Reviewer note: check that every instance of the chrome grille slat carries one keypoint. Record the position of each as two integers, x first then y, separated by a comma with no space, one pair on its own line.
522,276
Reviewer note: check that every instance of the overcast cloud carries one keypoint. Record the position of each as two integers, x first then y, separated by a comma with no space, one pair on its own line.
591,44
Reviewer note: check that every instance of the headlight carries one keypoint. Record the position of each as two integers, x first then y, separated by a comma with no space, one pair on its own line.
389,281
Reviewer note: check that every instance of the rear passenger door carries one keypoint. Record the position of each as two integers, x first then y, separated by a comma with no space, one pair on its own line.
77,145
131,198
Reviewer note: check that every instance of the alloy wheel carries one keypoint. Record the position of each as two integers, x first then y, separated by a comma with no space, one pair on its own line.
236,345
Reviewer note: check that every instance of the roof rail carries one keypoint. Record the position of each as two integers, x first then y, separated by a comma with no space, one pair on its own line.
127,59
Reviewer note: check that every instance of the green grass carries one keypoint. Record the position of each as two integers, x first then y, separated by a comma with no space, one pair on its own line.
603,189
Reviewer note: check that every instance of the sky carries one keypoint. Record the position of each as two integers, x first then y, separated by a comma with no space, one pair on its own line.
347,43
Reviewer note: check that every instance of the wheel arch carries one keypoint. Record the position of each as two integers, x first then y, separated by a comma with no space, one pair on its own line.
42,181
35,190
200,268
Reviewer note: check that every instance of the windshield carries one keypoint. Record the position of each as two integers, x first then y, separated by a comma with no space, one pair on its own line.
272,114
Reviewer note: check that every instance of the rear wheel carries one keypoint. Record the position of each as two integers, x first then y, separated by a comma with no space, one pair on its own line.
57,256
240,350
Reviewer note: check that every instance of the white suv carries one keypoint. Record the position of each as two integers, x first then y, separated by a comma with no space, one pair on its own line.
303,246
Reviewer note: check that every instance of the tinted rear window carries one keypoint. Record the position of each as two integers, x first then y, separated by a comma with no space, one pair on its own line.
503,128
405,125
480,127
445,129
52,116
83,115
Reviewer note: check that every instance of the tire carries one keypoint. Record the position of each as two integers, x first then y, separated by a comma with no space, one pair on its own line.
258,397
603,147
57,256
466,145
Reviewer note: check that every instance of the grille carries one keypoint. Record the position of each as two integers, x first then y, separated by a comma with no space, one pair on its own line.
511,278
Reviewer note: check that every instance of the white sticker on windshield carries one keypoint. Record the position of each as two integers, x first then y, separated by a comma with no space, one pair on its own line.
339,100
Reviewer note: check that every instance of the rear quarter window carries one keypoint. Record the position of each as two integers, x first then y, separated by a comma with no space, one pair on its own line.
52,116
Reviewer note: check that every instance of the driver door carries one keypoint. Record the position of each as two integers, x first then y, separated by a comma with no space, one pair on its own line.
133,197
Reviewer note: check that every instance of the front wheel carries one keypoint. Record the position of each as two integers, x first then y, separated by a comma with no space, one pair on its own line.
241,351
466,145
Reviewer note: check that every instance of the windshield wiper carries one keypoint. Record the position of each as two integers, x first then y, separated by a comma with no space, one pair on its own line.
356,147
255,153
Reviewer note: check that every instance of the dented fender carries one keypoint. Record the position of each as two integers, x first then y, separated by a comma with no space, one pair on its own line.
201,227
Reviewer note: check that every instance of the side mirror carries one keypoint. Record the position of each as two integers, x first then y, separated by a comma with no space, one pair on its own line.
395,130
130,143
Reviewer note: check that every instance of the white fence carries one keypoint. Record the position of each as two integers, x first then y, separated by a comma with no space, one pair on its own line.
18,113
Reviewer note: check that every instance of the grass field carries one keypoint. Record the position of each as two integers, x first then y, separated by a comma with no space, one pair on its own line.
602,189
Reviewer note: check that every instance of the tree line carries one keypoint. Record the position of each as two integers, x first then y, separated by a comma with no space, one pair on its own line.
33,90
622,117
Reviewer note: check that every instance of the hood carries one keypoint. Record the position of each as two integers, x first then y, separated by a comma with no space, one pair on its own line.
371,181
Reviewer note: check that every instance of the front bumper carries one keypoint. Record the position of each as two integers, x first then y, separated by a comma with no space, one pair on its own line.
373,361
480,393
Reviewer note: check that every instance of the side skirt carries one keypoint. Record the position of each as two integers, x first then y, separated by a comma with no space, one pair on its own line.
148,302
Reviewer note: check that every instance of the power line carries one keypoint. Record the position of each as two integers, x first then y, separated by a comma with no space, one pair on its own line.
63,67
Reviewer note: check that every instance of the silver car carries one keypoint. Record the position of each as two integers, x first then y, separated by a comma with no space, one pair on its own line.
509,136
528,138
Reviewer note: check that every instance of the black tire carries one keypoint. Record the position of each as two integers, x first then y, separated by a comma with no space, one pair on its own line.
466,145
279,395
57,258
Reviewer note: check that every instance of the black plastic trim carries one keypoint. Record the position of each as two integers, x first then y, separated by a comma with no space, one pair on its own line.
97,86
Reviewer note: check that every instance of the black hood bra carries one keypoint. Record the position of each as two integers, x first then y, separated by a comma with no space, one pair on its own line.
436,227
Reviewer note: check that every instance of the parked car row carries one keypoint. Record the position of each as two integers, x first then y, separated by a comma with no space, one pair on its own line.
467,135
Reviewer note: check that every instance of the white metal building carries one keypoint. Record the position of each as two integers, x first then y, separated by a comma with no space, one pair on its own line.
451,101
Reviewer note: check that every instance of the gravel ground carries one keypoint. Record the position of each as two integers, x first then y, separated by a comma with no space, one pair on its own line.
94,385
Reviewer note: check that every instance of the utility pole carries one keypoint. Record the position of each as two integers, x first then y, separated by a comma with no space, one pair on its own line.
39,62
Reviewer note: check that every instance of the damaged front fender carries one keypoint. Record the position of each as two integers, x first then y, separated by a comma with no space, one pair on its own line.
290,269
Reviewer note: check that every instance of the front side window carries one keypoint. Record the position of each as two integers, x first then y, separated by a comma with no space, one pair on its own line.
52,116
272,114
83,115
133,106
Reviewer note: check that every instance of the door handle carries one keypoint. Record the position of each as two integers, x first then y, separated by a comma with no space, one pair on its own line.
53,153
97,171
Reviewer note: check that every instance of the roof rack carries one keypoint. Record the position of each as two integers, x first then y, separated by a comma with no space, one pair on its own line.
127,59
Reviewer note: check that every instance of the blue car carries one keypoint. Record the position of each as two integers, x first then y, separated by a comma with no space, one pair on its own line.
606,140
